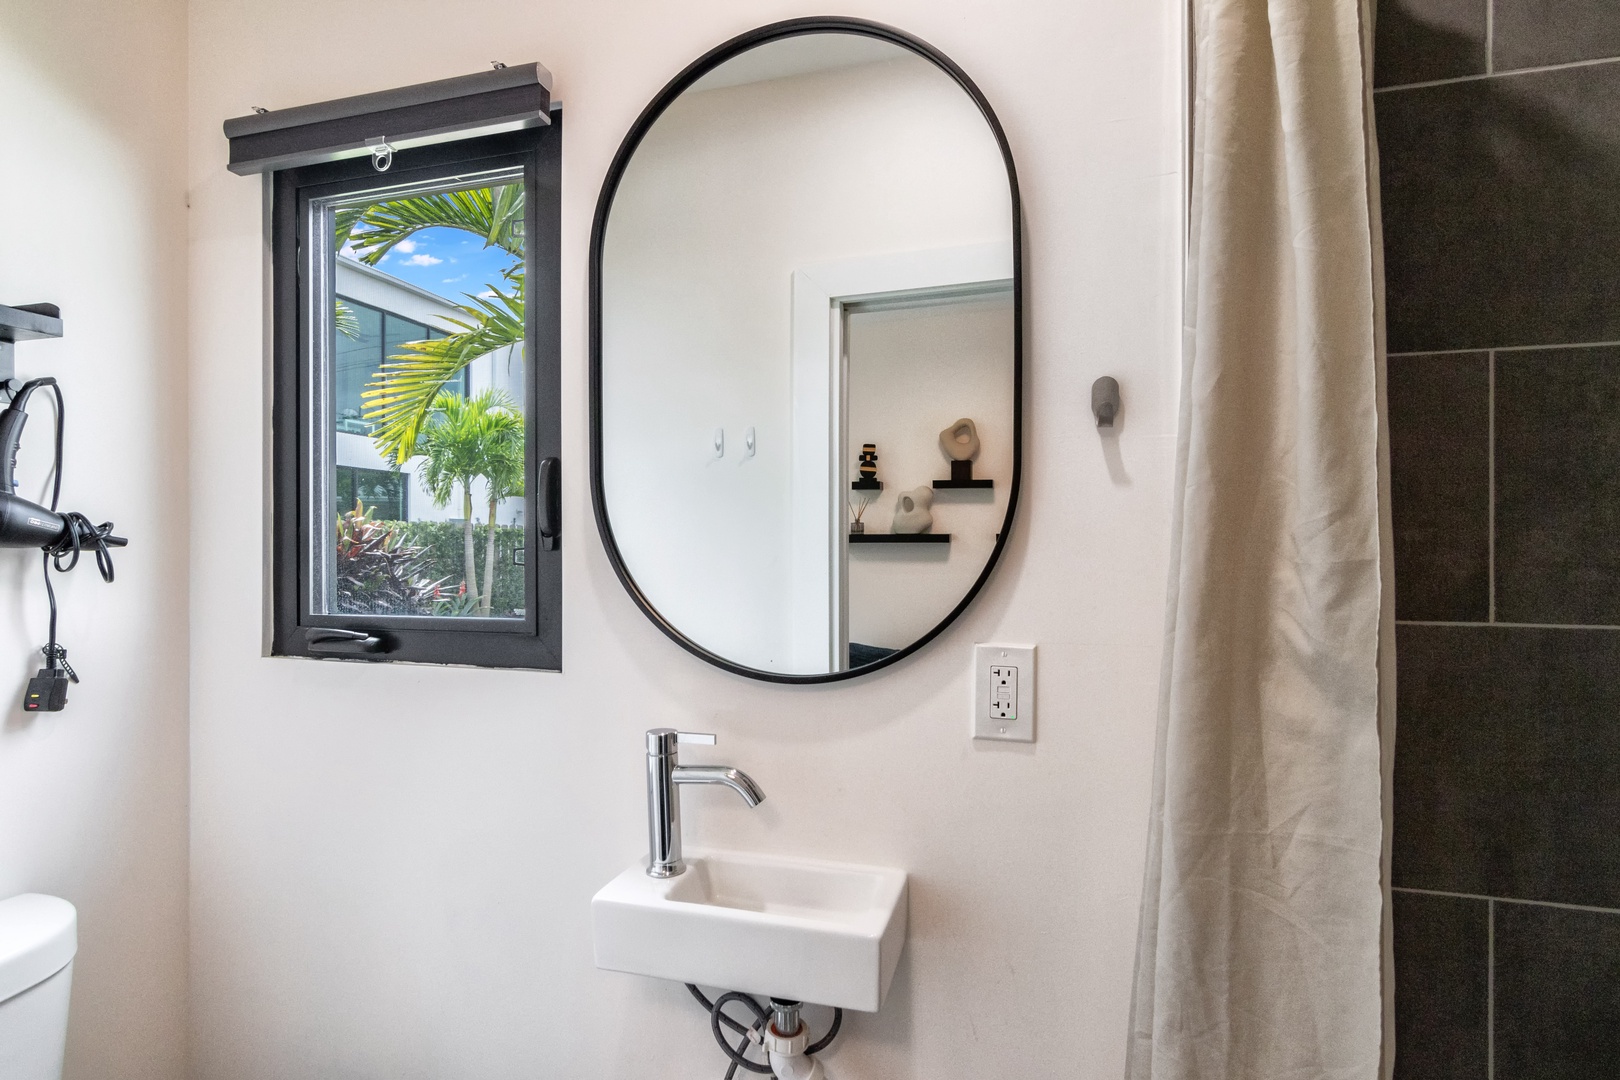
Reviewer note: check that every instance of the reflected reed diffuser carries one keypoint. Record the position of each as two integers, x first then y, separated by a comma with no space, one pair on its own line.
857,508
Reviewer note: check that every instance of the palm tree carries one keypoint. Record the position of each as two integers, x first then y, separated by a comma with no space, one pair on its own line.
465,440
403,394
503,472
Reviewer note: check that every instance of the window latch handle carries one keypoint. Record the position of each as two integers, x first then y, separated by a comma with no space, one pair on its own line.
331,640
550,504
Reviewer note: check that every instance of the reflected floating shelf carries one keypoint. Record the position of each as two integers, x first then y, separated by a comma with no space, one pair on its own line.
963,484
899,538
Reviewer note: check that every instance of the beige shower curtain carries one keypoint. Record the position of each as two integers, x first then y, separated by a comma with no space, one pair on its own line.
1262,951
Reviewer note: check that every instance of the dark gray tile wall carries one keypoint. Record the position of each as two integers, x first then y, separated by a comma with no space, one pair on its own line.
1557,976
1442,987
1558,486
1501,195
1507,762
1534,33
1420,40
1501,225
1440,455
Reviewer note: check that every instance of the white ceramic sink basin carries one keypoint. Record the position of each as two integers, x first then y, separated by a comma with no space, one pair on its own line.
820,932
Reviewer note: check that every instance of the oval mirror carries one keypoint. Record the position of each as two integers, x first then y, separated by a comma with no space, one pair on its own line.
805,350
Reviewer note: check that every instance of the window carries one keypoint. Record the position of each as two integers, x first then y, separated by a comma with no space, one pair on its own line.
383,491
416,404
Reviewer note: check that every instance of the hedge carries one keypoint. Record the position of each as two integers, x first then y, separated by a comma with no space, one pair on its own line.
443,540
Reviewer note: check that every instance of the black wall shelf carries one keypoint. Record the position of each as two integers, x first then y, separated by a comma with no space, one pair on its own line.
899,538
963,484
25,322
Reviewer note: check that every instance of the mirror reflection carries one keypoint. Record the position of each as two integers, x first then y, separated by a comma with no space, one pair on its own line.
807,355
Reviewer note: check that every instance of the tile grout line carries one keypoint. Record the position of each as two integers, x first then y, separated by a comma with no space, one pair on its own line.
1490,990
1505,348
1508,625
1490,472
1507,900
1543,69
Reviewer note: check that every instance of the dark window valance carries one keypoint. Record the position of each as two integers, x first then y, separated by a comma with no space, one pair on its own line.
504,99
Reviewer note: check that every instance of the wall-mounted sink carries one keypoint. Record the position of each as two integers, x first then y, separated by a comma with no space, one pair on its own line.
821,932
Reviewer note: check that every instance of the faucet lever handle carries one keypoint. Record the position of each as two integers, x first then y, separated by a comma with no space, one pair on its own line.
661,740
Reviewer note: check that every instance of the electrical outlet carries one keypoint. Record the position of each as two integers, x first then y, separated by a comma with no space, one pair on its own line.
1004,692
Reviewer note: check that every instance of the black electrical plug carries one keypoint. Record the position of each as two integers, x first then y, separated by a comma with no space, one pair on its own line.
47,691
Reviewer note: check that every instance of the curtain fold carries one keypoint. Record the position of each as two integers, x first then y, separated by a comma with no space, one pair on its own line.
1261,952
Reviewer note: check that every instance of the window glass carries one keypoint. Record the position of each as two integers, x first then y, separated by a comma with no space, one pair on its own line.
421,478
381,492
358,351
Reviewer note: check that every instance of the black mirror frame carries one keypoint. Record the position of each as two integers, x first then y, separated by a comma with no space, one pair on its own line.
604,205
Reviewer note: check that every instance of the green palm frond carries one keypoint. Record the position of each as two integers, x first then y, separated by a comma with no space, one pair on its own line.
493,213
401,396
346,320
344,221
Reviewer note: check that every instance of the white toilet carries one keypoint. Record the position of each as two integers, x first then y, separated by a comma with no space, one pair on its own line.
38,937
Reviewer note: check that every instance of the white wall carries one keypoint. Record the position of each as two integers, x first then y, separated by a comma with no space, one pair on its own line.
392,865
732,191
93,799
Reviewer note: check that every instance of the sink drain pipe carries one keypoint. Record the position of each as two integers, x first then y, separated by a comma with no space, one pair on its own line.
789,1056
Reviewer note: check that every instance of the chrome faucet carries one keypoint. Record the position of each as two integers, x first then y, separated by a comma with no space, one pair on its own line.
664,775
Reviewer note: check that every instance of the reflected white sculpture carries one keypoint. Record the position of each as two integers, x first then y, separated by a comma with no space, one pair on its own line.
911,513
960,441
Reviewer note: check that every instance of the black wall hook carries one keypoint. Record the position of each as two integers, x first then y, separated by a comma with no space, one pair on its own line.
1105,400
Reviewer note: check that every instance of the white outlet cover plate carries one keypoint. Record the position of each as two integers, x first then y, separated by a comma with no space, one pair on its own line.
1021,728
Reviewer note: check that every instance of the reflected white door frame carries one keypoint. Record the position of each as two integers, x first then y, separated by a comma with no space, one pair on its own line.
820,476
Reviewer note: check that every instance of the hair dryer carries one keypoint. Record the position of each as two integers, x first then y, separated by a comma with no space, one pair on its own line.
62,536
28,524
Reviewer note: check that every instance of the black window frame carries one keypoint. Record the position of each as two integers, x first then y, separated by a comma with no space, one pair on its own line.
533,642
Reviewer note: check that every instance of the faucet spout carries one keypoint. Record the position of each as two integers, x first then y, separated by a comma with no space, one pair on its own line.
665,774
735,779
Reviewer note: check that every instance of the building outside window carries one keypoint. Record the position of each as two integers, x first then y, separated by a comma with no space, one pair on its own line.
413,295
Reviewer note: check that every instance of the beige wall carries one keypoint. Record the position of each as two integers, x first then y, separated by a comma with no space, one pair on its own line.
392,865
93,799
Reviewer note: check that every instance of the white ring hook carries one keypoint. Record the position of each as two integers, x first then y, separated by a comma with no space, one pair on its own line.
382,156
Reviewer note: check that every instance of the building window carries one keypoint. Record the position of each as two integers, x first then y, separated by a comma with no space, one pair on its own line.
380,492
416,407
366,338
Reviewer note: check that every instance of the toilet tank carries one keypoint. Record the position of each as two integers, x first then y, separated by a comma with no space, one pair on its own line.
38,937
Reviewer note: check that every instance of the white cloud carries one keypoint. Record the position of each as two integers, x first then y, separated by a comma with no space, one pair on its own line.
406,246
453,280
487,294
422,260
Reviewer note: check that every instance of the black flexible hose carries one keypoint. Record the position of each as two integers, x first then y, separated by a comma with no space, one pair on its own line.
761,1017
826,1040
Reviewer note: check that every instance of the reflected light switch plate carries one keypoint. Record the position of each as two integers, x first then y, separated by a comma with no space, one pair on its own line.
1004,692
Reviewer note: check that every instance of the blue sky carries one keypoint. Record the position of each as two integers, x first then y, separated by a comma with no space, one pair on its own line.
449,262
